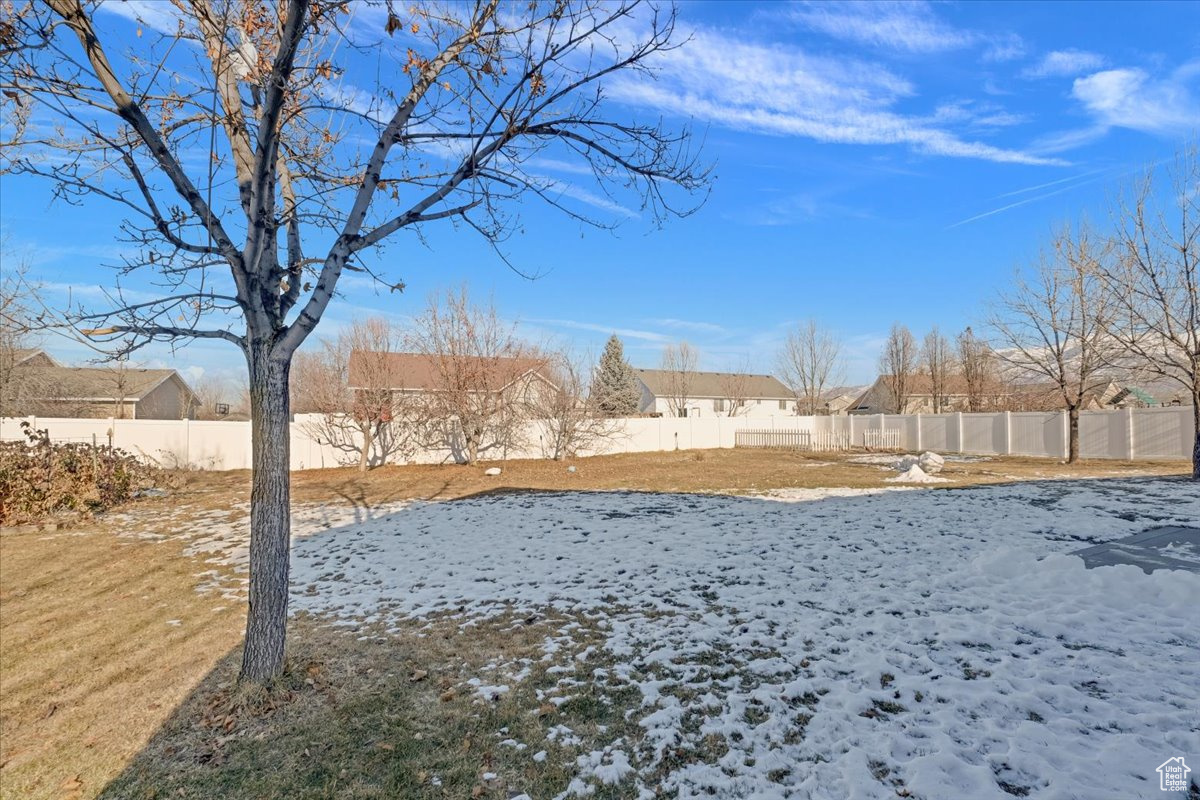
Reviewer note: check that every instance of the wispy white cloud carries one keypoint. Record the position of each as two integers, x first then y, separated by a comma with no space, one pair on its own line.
624,333
1056,188
1065,64
684,324
158,15
1132,98
910,26
785,91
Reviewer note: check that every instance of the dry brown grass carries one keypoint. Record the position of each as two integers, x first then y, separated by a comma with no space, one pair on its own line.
92,664
728,471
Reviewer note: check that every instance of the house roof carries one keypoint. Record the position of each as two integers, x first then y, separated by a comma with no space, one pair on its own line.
1136,395
422,372
101,384
919,383
716,384
24,354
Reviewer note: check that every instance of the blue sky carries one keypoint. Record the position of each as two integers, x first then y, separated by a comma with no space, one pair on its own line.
874,163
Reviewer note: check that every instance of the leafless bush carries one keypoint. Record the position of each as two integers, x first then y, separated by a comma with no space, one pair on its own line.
39,478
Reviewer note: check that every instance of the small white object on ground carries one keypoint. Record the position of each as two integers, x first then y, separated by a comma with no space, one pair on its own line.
492,471
931,462
914,474
570,469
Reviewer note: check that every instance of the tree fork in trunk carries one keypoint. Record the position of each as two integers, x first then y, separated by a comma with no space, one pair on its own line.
270,516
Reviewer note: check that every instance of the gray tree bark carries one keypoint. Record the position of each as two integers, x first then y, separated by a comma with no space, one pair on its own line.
1073,434
270,517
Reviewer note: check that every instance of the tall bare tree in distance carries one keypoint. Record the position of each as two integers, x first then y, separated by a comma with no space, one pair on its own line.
482,376
350,385
305,168
1054,325
1154,281
679,364
898,365
569,412
938,361
979,372
810,363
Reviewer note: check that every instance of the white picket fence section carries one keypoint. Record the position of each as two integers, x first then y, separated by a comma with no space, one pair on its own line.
798,439
1131,434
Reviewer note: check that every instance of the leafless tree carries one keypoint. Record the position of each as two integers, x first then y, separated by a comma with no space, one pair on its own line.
214,395
1154,281
349,388
810,362
979,371
735,390
570,417
1054,325
898,366
19,384
257,166
940,365
484,377
679,364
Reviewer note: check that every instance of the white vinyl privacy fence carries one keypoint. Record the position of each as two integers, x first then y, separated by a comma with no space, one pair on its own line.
1156,433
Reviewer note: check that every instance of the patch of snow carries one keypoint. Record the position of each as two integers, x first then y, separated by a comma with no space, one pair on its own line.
931,462
914,474
801,495
935,643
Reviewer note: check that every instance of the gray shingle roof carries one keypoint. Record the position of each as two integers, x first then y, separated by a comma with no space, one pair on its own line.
715,384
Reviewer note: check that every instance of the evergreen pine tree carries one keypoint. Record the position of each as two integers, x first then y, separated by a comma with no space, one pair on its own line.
615,385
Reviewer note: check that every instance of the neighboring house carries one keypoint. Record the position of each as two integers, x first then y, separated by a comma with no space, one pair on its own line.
838,401
716,394
33,358
1048,397
1042,396
100,392
878,398
417,374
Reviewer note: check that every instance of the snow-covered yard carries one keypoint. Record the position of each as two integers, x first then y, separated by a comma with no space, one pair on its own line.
926,643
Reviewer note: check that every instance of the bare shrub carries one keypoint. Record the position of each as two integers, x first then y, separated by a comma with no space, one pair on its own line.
40,478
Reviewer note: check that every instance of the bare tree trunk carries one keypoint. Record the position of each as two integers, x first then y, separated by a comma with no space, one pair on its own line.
1196,441
270,520
1073,434
364,459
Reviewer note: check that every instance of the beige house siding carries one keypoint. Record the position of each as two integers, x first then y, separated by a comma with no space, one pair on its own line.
169,400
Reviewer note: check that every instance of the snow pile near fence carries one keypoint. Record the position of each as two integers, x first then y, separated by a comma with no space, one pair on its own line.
914,474
931,643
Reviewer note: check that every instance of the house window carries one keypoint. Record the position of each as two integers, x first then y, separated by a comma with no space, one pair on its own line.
783,405
741,403
718,405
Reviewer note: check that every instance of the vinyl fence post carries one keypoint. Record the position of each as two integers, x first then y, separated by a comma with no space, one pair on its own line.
1008,433
958,420
1130,448
1066,435
918,431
